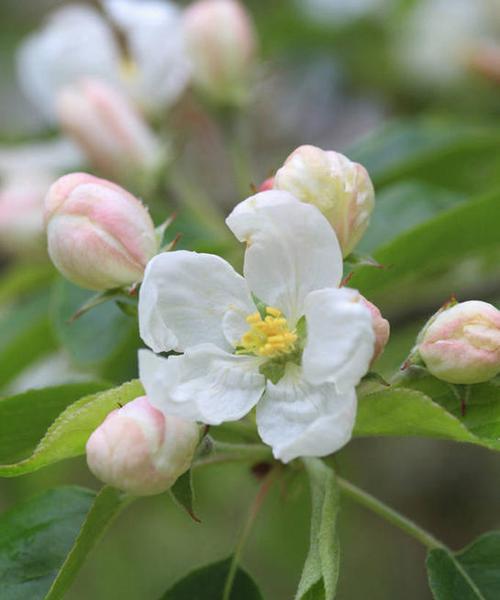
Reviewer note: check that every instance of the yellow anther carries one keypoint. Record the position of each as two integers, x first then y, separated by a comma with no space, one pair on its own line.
276,338
253,318
268,337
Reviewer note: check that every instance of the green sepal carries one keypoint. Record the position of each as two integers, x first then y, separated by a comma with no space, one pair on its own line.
182,493
273,370
261,306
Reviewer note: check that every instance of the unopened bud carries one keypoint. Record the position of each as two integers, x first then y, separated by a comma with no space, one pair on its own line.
221,44
381,328
108,128
340,188
139,450
462,344
99,236
21,213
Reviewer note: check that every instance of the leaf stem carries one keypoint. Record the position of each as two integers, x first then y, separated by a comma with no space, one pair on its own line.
389,514
247,528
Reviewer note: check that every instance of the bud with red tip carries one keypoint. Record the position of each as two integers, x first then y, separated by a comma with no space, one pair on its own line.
266,185
221,44
462,343
139,450
99,235
108,128
340,188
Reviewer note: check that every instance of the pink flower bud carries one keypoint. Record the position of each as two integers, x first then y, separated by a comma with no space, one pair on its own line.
340,188
381,328
107,127
21,213
99,236
139,450
221,43
462,344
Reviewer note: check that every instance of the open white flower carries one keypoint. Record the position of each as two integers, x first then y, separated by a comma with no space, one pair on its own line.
284,337
77,41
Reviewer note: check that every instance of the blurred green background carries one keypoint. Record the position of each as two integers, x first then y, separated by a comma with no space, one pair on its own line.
332,73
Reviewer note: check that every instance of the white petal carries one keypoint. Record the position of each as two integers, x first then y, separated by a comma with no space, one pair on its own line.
184,298
340,338
75,42
299,419
291,250
205,384
156,42
245,215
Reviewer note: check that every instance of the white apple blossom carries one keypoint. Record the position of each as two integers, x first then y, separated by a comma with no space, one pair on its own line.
439,38
77,41
284,338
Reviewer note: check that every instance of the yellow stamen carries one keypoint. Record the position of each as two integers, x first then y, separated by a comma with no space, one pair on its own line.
269,337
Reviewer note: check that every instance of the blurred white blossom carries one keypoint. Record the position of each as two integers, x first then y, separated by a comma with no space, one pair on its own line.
21,212
57,155
439,37
54,369
78,41
26,173
160,67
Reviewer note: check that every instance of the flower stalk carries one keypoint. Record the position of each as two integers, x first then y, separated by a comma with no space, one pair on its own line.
389,514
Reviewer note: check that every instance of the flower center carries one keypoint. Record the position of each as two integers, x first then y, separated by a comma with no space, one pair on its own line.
128,69
269,336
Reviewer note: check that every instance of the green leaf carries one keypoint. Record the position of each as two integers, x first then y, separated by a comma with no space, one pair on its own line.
471,574
35,537
68,434
25,335
183,493
108,503
458,156
24,418
321,569
431,408
403,206
427,262
22,279
207,583
103,338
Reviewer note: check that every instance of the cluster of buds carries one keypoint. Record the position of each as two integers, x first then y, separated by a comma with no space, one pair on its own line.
340,188
461,343
99,235
139,450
